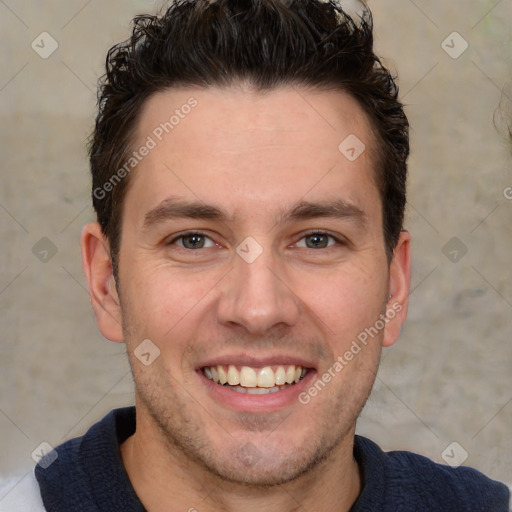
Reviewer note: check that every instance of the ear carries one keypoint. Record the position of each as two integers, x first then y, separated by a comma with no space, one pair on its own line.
97,266
399,289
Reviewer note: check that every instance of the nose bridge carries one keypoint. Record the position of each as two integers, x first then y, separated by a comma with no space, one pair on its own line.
256,296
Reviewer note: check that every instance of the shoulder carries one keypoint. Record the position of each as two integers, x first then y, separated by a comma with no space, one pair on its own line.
21,494
464,485
83,471
409,478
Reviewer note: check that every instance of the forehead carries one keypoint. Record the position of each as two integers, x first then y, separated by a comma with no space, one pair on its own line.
248,149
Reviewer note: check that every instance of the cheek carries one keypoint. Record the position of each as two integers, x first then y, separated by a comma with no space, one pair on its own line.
345,301
168,311
164,304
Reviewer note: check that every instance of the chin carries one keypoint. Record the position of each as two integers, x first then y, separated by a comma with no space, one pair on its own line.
261,474
265,464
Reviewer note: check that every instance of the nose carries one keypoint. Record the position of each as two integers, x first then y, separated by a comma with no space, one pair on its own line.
258,296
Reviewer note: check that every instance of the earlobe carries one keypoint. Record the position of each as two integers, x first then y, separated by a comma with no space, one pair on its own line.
399,289
97,266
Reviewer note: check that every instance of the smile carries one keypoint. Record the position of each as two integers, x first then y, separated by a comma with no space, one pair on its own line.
255,381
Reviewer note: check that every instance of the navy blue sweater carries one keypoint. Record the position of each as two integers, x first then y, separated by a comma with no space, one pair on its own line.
89,476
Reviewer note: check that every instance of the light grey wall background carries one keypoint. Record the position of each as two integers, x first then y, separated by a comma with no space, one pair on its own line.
449,378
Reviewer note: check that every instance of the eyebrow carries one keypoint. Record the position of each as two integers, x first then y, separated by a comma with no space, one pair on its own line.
173,208
336,209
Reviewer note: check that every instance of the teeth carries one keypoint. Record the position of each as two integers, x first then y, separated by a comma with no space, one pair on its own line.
266,378
255,391
280,376
223,376
248,377
233,376
255,380
290,374
262,391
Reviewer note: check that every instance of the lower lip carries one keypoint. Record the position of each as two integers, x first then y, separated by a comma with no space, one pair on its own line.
257,403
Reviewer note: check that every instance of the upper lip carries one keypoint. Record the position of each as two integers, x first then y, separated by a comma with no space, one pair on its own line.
257,362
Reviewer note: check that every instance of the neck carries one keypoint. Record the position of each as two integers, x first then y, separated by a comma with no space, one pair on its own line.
165,479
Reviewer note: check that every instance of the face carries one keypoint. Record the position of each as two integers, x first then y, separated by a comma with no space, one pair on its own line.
252,251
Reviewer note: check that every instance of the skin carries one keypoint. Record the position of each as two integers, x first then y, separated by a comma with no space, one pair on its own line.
255,156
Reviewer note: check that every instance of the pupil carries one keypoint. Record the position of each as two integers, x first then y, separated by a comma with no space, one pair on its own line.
317,241
193,241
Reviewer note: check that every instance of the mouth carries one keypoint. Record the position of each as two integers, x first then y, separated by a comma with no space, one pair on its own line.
254,380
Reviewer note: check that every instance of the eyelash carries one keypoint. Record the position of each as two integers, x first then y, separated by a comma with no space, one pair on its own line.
323,233
304,235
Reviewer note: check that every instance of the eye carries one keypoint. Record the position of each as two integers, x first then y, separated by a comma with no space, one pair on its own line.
317,241
193,241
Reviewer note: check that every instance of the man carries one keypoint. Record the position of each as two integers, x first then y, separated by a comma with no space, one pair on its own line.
249,170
